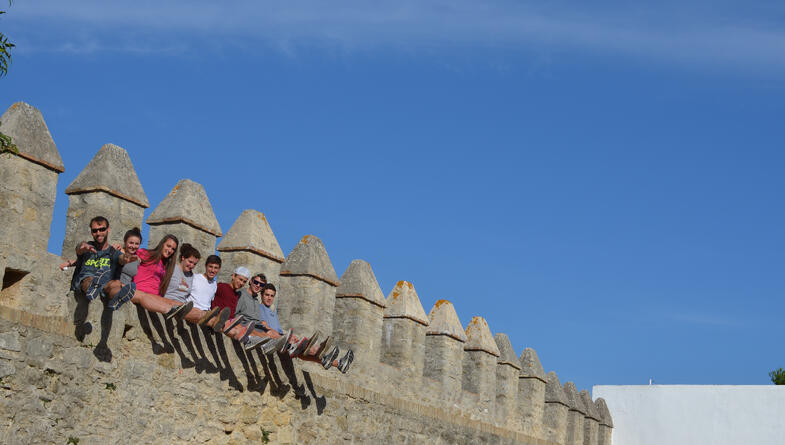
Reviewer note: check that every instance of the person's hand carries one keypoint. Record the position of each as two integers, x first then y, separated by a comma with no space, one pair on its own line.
85,247
68,263
117,246
128,258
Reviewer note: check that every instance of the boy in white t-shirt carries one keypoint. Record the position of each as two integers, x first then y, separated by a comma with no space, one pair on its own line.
203,290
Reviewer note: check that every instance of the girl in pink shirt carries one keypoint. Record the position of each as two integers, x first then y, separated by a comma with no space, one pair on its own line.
156,266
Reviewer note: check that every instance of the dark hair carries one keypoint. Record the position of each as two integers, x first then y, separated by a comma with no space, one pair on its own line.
99,220
187,251
269,286
157,254
213,259
260,275
133,232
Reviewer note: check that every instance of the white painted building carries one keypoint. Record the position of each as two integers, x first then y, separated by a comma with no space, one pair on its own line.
695,414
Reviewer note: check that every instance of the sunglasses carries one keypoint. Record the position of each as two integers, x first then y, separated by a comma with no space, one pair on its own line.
98,229
258,283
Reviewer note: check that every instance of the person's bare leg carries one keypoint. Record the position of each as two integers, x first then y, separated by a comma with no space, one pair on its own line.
152,302
85,284
194,315
112,288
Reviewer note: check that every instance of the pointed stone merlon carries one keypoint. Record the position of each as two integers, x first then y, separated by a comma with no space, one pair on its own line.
306,295
605,432
507,371
108,187
479,364
28,182
403,335
575,415
556,411
187,214
531,393
250,243
444,340
359,312
591,421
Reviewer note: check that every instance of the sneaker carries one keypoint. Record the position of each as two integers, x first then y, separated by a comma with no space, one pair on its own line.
312,341
295,349
97,284
273,345
247,333
326,345
123,296
222,317
346,361
286,337
179,311
255,342
327,359
208,315
235,321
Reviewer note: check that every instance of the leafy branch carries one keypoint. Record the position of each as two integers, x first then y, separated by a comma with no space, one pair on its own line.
5,50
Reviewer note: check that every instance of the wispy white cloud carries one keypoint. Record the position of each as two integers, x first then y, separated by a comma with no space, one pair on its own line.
719,33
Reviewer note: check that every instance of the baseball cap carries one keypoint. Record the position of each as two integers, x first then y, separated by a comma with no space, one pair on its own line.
242,271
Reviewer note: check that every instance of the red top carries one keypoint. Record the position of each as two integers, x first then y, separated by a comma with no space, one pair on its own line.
225,296
148,277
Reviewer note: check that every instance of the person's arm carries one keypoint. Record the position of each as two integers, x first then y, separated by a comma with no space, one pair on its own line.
67,264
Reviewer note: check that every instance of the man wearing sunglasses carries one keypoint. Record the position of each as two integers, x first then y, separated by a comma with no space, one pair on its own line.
97,262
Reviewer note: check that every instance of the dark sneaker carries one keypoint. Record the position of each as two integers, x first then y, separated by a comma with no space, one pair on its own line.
222,317
327,359
208,315
123,296
346,361
179,311
254,342
247,333
97,284
234,322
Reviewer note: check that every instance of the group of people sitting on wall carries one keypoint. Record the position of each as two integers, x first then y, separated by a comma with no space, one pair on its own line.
162,280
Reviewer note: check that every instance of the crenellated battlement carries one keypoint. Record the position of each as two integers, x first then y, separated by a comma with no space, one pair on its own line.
447,383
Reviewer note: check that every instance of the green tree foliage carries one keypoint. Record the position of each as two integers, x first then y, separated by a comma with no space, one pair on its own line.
778,376
5,50
5,58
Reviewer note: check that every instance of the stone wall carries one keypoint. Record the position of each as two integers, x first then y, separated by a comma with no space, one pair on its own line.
73,371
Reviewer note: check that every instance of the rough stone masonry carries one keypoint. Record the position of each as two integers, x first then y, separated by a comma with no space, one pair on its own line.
73,372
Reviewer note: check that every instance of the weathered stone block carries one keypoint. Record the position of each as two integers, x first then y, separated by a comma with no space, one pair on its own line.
250,243
108,186
479,364
306,298
359,310
27,197
556,410
28,180
507,372
575,415
531,393
10,341
187,214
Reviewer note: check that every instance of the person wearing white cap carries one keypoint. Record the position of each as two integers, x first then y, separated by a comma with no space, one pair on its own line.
226,294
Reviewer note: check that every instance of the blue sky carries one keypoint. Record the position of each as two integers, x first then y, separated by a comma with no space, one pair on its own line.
601,182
